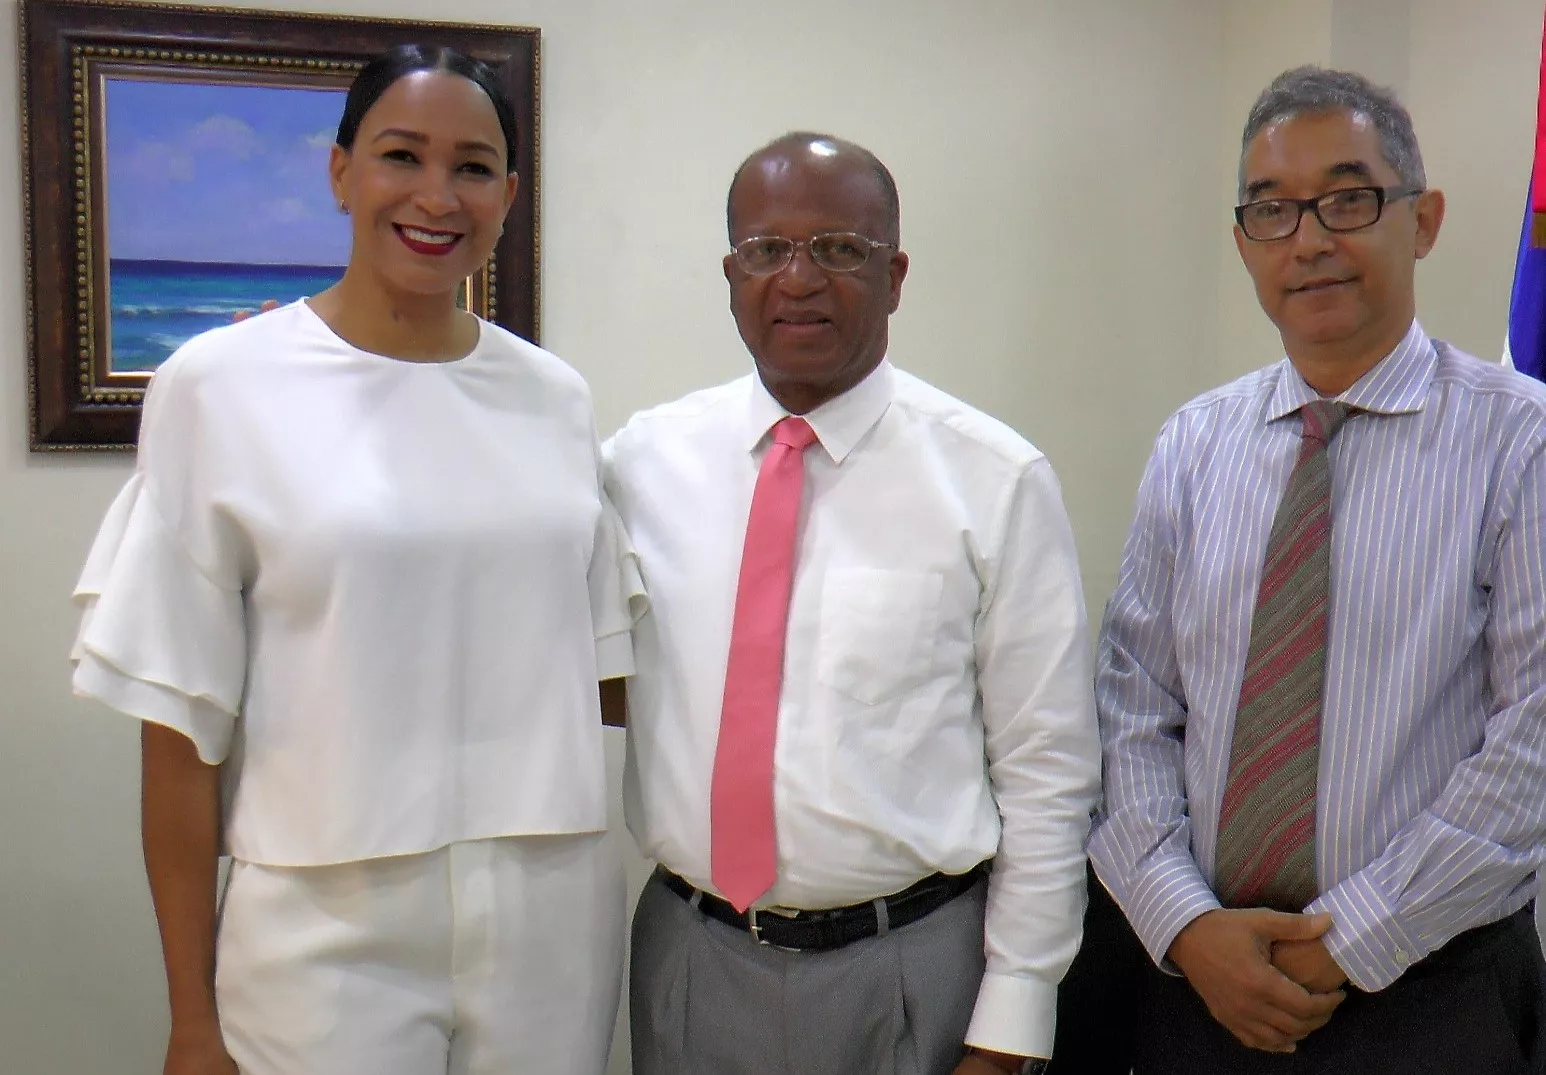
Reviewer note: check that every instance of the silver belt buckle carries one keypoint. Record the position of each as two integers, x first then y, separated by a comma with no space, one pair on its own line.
755,927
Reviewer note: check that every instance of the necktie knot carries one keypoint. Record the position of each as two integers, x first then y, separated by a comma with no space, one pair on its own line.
1322,418
794,433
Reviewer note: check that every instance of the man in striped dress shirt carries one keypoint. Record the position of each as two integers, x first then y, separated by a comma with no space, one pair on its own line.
1326,787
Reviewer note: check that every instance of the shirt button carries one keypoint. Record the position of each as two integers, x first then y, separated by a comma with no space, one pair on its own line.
1401,957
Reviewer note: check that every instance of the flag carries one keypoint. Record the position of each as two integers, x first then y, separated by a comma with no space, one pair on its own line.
1537,218
1524,347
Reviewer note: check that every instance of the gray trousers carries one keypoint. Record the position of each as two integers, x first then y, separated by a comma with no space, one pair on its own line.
706,999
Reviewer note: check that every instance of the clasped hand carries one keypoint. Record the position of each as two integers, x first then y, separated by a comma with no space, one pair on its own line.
1265,975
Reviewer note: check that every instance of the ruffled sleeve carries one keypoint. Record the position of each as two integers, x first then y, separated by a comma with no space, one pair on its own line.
617,594
162,637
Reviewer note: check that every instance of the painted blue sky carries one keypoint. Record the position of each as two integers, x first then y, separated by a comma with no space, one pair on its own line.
222,173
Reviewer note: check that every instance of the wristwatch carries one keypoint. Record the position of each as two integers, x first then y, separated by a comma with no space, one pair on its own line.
1030,1065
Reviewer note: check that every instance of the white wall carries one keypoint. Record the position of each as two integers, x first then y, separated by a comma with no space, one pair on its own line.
1062,169
1260,42
1471,91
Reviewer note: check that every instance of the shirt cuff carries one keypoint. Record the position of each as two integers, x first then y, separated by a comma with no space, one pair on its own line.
1367,938
1164,901
614,655
1014,1015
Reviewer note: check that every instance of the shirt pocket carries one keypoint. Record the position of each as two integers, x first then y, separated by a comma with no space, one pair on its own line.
876,635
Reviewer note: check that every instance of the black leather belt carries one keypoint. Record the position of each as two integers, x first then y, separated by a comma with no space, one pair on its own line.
816,931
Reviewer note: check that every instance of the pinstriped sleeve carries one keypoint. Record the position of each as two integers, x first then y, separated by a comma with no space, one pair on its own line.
1141,847
1471,855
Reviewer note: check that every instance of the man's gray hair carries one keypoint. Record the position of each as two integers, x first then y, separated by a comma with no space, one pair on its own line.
1317,90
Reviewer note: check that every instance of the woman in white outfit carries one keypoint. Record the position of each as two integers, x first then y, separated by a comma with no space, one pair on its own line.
360,590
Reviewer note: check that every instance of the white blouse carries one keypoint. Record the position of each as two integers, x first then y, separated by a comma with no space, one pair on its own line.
381,592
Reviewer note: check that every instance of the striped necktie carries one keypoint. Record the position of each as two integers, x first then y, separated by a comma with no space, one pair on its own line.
1266,839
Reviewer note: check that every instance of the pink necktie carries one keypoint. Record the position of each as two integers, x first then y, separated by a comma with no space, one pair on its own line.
744,849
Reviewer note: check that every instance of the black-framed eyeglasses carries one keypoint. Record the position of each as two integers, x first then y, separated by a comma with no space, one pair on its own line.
1342,210
835,251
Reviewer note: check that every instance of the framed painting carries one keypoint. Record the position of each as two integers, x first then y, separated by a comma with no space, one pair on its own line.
175,179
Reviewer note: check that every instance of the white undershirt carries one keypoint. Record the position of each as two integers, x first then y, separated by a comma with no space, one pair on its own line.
936,673
381,591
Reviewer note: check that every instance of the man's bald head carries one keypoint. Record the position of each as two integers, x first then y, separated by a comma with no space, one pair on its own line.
813,147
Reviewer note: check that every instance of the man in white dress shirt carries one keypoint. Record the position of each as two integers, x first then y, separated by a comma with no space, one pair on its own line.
893,880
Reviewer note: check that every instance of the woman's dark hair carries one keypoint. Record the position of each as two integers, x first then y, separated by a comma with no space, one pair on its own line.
377,76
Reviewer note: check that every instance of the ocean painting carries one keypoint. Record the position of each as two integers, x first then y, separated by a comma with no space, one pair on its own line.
218,207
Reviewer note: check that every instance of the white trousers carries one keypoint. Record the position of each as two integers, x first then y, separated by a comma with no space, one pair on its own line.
493,957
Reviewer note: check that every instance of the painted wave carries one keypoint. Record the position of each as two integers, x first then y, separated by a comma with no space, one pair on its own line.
157,306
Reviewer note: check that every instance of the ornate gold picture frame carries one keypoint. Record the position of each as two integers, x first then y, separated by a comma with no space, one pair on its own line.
175,178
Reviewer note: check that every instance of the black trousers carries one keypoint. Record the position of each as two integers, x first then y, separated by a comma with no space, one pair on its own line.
1098,999
1475,1007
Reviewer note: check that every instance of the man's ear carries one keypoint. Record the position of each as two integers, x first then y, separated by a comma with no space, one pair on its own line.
1429,211
897,272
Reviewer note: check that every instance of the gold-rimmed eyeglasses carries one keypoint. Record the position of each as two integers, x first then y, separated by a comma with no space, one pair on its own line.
835,251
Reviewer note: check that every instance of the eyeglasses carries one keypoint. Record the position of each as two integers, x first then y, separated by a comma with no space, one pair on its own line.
1338,210
837,251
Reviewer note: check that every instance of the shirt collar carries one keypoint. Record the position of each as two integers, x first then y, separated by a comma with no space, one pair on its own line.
1398,383
839,424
